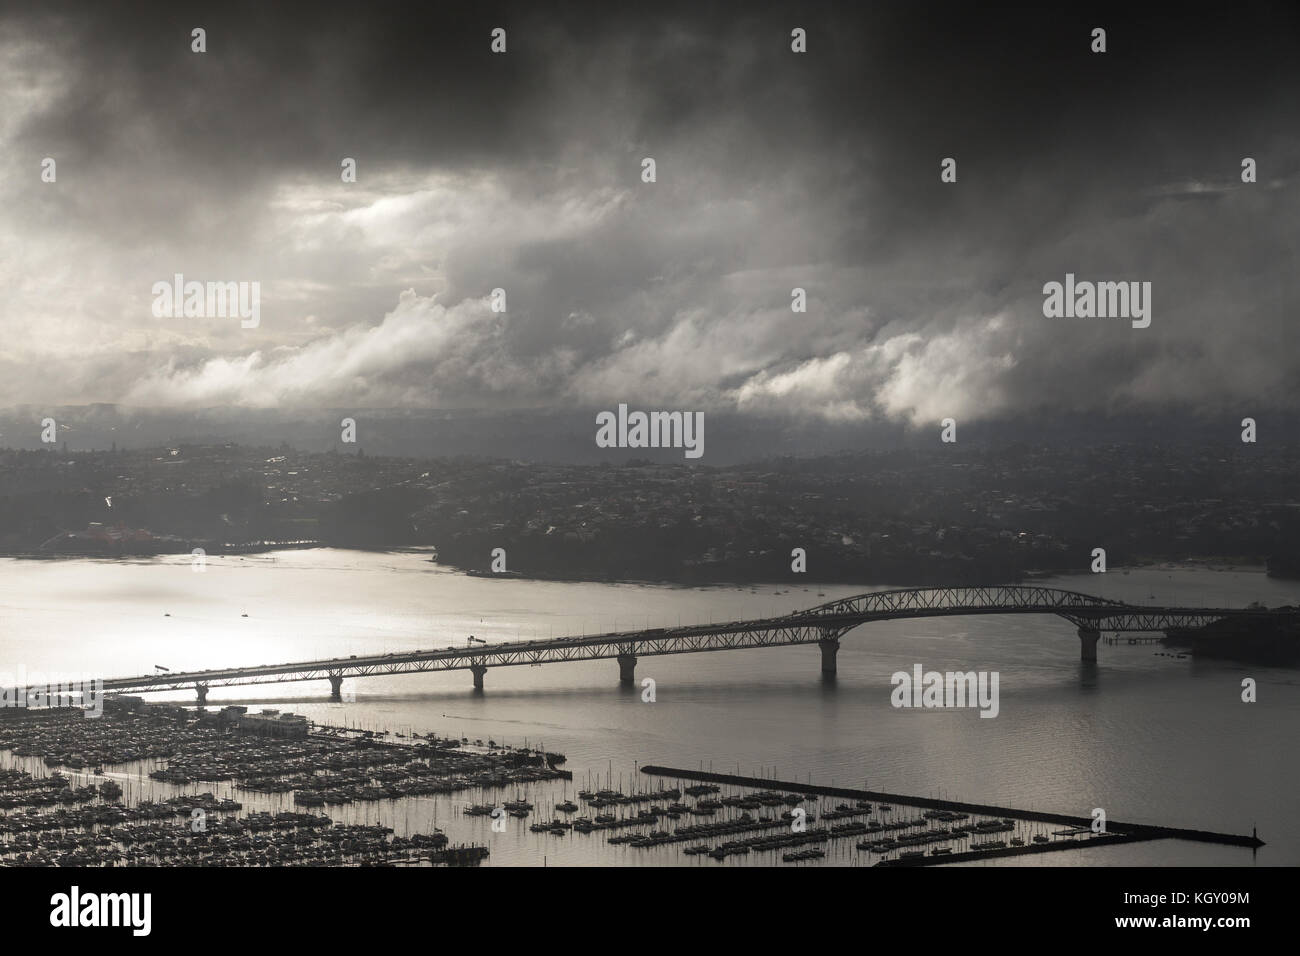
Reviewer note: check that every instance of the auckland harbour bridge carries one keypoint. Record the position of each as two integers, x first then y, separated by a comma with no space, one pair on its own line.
823,625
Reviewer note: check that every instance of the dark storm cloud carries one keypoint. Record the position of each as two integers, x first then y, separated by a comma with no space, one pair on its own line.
775,170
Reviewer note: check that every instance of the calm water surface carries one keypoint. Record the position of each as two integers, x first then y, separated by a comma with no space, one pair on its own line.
1149,738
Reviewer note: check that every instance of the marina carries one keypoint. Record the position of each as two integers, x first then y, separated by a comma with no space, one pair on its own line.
1005,819
178,832
54,819
708,717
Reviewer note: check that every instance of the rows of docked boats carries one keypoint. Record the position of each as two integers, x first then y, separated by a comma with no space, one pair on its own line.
598,799
605,798
799,856
934,832
741,824
780,841
746,832
516,808
321,768
35,820
44,792
230,842
62,737
104,832
843,811
45,820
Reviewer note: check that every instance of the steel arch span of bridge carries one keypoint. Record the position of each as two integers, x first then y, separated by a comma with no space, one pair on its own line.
822,625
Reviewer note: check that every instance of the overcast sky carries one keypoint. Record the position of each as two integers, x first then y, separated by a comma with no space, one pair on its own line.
775,170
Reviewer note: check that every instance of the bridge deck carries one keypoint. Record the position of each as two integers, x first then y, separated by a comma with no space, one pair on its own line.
824,625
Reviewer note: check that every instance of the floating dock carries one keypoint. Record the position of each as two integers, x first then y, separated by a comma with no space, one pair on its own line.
1105,839
1118,832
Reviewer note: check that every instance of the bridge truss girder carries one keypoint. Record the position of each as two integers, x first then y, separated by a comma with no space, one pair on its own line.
823,624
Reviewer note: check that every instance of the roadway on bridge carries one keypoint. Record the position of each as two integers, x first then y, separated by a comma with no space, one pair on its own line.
823,625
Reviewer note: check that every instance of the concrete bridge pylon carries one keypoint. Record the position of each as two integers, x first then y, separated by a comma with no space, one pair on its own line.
627,668
830,645
478,670
1088,638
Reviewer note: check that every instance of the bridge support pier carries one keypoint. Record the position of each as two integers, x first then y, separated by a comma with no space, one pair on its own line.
478,670
1088,643
336,686
202,691
830,645
627,669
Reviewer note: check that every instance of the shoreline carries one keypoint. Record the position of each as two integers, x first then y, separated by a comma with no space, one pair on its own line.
1217,565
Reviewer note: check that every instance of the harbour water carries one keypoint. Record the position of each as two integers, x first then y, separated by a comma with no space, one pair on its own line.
1149,737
